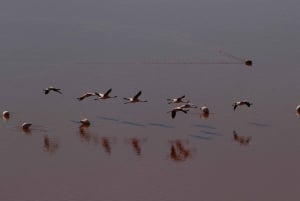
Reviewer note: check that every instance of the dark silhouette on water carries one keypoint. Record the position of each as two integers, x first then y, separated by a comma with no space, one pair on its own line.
247,62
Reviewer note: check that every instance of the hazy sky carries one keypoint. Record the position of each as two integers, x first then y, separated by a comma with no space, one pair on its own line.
158,29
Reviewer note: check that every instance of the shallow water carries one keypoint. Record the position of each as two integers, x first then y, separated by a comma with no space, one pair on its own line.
136,151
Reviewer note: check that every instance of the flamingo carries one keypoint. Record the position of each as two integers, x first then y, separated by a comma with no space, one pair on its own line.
88,94
5,114
175,110
204,110
177,100
188,105
26,126
135,99
47,90
105,95
85,122
239,103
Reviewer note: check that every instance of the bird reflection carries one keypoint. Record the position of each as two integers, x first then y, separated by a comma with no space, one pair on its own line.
50,145
242,140
204,115
84,133
105,142
26,131
178,152
135,143
106,145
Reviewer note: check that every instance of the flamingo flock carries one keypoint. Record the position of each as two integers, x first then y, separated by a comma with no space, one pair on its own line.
184,108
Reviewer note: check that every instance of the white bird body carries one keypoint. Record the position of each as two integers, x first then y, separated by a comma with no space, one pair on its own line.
85,122
204,109
239,103
88,94
51,88
105,95
188,105
135,99
175,110
26,125
177,100
6,114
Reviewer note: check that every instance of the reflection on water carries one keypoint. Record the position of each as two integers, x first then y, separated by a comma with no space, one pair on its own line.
178,151
136,145
242,140
5,118
106,145
204,115
50,145
84,133
105,142
26,131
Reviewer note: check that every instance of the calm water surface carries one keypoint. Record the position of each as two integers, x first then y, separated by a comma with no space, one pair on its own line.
136,151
